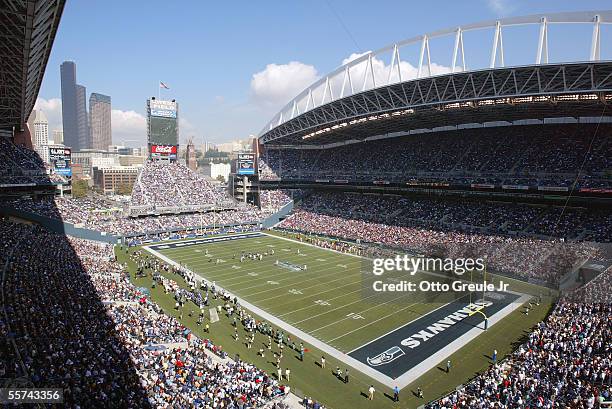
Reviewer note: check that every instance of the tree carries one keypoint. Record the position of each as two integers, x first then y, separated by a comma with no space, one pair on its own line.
79,188
124,189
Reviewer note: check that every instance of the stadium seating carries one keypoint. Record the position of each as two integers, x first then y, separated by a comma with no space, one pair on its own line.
19,165
78,323
273,200
516,155
162,184
535,242
93,213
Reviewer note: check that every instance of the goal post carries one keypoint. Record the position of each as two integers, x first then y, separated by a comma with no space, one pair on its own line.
480,309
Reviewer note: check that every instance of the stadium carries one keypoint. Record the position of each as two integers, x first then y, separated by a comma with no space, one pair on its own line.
400,235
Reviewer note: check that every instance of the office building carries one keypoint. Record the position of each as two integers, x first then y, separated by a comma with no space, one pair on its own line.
100,121
112,179
58,137
74,109
69,105
82,120
190,156
91,158
39,130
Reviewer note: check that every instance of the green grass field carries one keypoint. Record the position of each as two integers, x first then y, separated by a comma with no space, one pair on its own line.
326,300
329,323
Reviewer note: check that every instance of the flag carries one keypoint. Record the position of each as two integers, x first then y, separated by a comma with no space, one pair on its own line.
164,86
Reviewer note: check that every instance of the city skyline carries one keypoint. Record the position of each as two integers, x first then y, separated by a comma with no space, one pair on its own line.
232,76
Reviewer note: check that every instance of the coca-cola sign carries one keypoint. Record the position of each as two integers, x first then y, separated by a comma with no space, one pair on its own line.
164,149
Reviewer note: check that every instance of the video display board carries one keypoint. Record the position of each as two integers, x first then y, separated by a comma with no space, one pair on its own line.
245,164
60,159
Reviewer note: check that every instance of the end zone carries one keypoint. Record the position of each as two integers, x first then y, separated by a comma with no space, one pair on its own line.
408,352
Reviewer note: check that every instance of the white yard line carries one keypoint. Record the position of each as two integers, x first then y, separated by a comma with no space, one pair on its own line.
312,245
380,319
304,288
343,306
297,300
293,276
367,309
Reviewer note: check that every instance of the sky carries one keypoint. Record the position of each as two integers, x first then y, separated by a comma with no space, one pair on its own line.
233,65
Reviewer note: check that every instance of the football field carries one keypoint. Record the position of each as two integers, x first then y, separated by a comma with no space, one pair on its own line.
325,294
326,300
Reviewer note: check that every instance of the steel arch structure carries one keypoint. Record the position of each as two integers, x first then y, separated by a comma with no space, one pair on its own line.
27,32
339,100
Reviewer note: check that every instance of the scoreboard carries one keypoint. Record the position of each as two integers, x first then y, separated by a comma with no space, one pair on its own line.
245,164
162,122
163,109
60,159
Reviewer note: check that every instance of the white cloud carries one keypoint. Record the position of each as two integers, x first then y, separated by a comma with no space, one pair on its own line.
500,7
381,71
53,110
353,56
129,128
277,84
186,130
358,75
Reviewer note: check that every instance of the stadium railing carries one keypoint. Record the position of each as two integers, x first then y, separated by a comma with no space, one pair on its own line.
152,210
190,230
276,218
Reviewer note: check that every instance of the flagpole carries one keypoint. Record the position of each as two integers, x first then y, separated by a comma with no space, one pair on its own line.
159,89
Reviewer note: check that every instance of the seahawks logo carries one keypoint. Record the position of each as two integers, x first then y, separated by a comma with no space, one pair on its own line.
383,358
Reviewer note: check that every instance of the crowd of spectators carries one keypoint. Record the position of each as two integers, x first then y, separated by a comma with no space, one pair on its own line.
20,165
273,200
96,213
565,363
74,321
538,243
163,184
544,156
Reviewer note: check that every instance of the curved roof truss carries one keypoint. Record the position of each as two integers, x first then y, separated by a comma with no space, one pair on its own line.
347,91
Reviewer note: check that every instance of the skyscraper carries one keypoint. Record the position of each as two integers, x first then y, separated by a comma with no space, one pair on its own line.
82,120
58,137
74,109
69,105
39,129
100,121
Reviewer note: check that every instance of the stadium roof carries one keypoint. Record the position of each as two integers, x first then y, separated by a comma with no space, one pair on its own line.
27,32
366,97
